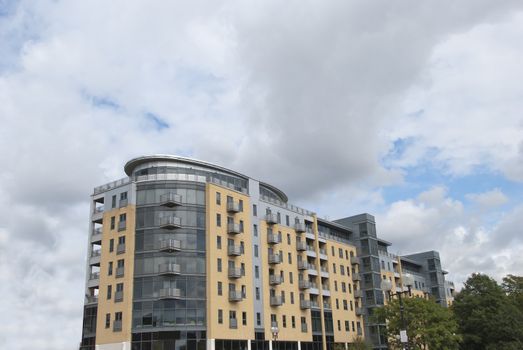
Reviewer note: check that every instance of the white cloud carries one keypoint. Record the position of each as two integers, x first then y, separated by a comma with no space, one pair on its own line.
488,199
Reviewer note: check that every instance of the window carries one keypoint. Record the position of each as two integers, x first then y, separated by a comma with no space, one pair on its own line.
110,268
287,220
346,254
258,319
219,242
348,271
347,326
289,257
292,297
333,268
240,205
218,220
291,277
218,198
220,288
339,325
111,245
113,222
383,265
220,316
345,307
342,270
343,287
257,293
332,251
284,321
336,286
118,317
123,196
337,304
113,202
279,217
244,318
283,296
255,250
255,230
254,210
288,238
241,226
109,292
340,253
351,306
353,328
219,265
123,217
293,322
107,320
256,271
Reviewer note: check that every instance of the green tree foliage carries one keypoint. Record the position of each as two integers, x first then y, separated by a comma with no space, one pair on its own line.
513,287
357,344
429,326
489,315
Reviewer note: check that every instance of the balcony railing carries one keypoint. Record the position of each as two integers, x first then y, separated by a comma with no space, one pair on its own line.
234,250
122,225
94,276
123,202
170,222
98,209
358,293
233,207
120,248
323,251
96,253
273,239
271,219
275,279
235,295
356,277
120,271
326,305
301,246
304,284
358,311
276,301
355,260
303,265
169,269
170,245
305,304
117,325
234,228
304,327
170,199
275,259
169,293
97,231
118,295
325,287
299,227
235,272
92,299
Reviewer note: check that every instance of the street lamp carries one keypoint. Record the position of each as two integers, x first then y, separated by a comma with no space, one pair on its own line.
386,286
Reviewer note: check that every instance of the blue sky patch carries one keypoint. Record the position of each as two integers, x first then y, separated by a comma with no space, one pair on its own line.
159,123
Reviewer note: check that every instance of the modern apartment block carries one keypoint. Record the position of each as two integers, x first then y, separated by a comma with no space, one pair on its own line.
184,254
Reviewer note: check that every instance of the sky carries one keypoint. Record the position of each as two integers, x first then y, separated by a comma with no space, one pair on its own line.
408,110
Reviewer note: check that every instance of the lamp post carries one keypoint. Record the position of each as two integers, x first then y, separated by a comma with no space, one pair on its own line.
386,286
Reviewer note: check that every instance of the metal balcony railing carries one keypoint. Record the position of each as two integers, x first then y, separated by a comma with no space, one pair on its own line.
120,248
304,284
123,203
92,299
169,269
358,311
234,228
303,265
170,245
96,253
356,277
273,239
275,279
233,207
170,222
271,219
326,305
233,323
97,231
358,293
94,276
122,225
235,295
118,295
304,327
299,227
275,259
120,271
305,304
117,325
355,260
276,301
169,293
170,199
234,250
98,209
235,272
301,246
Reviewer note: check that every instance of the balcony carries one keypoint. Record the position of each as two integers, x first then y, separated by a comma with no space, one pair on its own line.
273,239
304,284
122,225
233,207
235,272
299,227
304,327
233,323
169,293
303,265
271,219
170,199
120,248
120,271
323,254
356,277
234,250
96,235
275,279
311,251
301,246
235,295
91,299
94,276
98,213
325,290
170,245
276,301
355,260
170,222
123,203
314,304
305,304
358,293
275,259
94,259
118,296
327,305
324,271
117,325
169,269
233,228
358,311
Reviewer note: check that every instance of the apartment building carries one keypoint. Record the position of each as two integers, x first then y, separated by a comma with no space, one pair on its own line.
185,254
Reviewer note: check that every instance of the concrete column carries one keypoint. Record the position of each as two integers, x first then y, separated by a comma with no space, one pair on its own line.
299,345
248,344
210,344
270,344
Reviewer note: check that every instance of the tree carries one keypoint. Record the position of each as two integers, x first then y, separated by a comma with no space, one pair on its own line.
358,344
513,287
429,325
488,317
